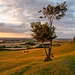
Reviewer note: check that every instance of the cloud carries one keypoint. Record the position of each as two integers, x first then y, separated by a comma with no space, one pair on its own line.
14,28
16,15
2,24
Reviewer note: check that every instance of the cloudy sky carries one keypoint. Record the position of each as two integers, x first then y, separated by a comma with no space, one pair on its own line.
16,15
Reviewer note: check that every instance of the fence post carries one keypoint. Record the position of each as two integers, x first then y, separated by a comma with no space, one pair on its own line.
74,39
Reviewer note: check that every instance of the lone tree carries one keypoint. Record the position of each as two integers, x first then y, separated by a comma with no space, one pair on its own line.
46,32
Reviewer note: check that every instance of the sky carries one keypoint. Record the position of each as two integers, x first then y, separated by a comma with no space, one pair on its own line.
16,16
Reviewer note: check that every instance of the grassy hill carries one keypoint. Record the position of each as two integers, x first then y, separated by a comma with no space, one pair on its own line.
31,63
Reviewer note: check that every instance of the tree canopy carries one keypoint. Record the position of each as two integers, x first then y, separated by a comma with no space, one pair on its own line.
42,32
52,12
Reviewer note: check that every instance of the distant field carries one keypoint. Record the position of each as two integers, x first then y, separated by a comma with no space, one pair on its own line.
30,62
18,44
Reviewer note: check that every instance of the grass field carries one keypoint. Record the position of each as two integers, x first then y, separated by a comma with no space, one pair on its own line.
31,63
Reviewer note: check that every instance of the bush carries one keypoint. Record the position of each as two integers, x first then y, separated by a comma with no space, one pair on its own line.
2,46
30,43
28,47
40,46
16,47
9,47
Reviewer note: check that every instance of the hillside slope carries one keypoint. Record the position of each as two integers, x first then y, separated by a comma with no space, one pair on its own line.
31,63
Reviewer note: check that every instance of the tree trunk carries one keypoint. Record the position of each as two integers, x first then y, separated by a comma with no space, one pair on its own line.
48,58
44,48
49,52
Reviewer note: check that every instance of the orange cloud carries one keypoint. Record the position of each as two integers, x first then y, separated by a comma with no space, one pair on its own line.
14,35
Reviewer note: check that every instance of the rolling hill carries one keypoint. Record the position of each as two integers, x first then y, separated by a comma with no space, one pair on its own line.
30,62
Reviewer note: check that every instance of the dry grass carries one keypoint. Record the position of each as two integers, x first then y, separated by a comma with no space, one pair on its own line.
31,63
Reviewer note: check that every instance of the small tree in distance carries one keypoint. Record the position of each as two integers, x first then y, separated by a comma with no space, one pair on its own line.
46,32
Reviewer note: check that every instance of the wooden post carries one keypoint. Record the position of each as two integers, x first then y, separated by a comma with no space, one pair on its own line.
74,39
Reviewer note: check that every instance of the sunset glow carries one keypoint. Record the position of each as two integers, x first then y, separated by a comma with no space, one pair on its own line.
13,35
16,16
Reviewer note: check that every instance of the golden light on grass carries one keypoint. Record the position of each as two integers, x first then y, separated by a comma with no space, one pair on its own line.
31,63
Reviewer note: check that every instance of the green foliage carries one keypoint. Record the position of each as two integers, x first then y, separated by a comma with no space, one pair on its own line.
42,32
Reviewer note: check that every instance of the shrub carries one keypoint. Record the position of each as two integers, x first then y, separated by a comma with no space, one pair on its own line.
16,47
